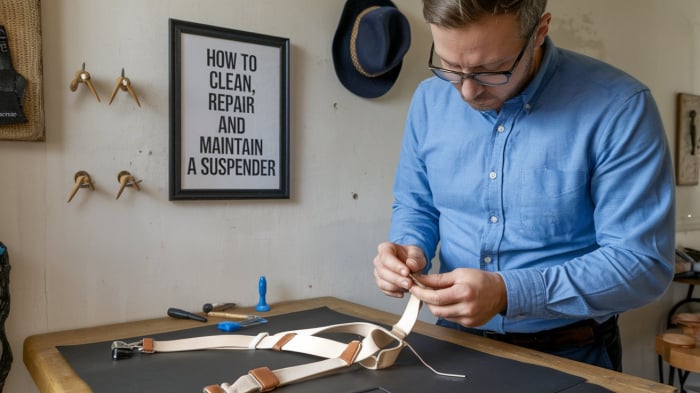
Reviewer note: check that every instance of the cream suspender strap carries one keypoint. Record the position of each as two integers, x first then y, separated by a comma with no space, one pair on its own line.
378,349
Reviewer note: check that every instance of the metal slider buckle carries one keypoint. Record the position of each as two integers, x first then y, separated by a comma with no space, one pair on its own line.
124,350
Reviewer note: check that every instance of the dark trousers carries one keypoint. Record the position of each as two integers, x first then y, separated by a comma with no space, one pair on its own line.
584,341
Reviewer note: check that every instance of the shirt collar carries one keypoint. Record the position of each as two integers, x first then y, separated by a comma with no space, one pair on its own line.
528,97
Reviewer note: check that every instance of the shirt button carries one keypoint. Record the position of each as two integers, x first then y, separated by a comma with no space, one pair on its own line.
492,175
494,219
501,128
488,260
528,106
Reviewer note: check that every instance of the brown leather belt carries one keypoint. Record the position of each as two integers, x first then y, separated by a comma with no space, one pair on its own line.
578,334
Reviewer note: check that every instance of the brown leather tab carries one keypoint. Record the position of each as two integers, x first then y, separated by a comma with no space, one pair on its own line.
350,352
265,377
213,389
147,345
285,339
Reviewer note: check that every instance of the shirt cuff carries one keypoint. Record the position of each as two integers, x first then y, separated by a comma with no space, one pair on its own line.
525,290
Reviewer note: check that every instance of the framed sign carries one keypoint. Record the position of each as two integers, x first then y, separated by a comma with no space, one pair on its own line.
22,65
687,139
229,113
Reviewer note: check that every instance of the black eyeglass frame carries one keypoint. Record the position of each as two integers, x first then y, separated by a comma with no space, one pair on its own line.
476,75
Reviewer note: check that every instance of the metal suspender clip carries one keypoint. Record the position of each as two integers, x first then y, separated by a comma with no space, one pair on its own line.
124,350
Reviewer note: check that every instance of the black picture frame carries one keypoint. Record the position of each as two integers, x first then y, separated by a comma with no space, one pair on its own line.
229,113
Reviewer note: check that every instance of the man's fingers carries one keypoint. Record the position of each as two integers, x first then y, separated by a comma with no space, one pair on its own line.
415,260
444,304
435,281
388,257
393,294
386,247
388,281
467,296
431,296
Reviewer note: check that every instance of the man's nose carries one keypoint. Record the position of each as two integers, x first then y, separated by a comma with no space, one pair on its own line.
470,89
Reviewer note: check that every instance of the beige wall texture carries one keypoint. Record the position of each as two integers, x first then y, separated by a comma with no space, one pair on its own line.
98,260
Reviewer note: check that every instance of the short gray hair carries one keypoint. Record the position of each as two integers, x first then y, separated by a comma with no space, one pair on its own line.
458,13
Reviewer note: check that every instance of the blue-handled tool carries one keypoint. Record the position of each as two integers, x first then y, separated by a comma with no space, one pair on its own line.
262,290
229,326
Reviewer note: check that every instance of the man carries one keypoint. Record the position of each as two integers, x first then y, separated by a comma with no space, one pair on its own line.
550,192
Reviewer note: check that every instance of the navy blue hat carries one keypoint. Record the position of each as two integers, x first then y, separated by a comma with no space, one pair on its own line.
369,45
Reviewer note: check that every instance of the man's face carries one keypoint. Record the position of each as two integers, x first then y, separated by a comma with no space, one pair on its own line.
491,44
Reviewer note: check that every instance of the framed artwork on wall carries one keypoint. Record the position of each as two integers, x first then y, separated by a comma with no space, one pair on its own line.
21,71
229,113
687,139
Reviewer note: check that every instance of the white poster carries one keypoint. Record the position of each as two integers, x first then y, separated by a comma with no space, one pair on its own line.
229,114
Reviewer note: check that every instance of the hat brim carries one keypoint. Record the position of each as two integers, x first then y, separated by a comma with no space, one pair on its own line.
352,79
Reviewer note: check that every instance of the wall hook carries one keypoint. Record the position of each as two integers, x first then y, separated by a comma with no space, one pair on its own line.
82,180
123,83
127,180
82,76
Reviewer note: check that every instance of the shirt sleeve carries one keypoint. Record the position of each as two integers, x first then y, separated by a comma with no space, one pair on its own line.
632,187
415,219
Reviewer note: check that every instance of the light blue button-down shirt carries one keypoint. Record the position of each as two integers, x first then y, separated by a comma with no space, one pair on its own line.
567,191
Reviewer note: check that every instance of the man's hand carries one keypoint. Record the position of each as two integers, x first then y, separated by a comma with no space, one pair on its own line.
393,264
469,297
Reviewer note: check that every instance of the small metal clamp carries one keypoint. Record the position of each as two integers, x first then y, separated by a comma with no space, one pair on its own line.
123,350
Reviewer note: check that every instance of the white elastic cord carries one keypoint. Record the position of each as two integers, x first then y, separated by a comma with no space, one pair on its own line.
430,368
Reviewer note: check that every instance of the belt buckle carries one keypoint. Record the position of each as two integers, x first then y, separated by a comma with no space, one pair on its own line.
492,335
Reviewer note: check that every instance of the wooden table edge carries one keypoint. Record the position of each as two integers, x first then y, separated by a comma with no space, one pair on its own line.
52,374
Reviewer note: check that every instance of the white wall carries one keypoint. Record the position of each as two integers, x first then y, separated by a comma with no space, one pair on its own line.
98,260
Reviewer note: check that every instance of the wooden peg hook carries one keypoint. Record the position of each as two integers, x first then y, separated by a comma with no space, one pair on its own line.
82,180
127,180
124,83
82,76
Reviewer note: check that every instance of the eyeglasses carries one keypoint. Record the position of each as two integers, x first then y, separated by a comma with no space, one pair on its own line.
493,78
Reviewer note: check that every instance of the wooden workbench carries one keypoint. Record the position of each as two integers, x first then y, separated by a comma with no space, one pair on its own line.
52,374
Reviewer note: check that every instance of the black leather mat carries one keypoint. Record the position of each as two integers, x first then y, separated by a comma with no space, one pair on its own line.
191,371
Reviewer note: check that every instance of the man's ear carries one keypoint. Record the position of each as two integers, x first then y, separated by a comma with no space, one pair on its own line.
543,29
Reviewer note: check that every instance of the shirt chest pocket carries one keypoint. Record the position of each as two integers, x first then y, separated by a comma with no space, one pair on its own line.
553,203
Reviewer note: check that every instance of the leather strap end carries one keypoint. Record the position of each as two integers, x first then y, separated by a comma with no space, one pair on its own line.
213,389
147,345
265,378
285,339
350,352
